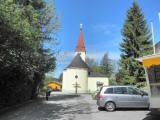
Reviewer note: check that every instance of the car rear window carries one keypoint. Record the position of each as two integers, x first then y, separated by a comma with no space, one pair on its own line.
109,91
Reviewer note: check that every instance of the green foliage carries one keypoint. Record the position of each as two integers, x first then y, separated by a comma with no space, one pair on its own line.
97,68
141,85
106,65
24,27
112,80
119,77
47,80
136,43
60,78
93,65
94,95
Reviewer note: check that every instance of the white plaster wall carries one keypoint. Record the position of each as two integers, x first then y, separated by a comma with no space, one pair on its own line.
92,86
69,79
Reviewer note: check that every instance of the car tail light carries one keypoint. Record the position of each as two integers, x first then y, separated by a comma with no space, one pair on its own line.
100,97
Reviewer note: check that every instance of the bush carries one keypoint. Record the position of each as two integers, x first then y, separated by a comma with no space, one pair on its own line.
141,85
94,95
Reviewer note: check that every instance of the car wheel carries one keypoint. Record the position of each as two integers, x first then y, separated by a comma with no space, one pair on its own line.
110,106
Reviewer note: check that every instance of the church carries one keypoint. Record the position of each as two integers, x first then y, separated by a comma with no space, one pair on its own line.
78,76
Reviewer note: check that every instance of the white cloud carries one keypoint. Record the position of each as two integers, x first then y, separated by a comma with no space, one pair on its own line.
95,55
65,57
114,55
98,55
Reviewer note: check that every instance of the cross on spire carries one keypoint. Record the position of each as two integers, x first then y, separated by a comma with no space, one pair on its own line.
81,27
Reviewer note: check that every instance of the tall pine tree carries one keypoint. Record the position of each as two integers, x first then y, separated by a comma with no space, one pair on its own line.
136,43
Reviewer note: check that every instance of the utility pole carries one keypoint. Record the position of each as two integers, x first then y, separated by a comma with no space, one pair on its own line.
154,50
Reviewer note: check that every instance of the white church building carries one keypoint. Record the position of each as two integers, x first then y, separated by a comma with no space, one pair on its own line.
79,74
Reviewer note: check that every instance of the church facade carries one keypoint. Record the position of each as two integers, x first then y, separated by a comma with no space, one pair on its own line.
78,76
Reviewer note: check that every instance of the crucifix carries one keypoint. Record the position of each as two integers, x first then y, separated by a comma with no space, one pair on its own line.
76,85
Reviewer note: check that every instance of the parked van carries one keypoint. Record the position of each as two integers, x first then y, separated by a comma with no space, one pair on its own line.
112,97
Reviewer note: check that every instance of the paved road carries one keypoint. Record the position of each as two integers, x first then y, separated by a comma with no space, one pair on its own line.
74,108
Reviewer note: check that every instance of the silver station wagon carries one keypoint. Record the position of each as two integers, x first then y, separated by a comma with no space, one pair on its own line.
112,97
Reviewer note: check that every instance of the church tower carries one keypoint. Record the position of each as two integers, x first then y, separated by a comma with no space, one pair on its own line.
80,49
78,76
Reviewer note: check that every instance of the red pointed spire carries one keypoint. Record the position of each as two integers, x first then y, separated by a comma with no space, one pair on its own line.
80,47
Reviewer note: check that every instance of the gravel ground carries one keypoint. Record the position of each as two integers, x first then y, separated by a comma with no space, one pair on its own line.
72,108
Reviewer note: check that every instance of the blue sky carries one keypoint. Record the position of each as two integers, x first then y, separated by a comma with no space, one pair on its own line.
102,23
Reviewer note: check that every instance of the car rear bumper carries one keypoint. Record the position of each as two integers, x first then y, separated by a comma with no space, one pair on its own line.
100,103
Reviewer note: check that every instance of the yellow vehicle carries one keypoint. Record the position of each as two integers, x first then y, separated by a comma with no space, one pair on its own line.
151,64
55,86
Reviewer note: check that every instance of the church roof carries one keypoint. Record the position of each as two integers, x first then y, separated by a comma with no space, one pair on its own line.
80,46
77,62
96,74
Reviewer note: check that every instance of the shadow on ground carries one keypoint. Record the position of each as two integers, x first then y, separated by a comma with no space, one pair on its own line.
132,109
40,110
125,109
152,117
62,97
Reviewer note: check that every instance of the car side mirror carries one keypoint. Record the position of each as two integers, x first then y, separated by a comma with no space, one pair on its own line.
142,94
